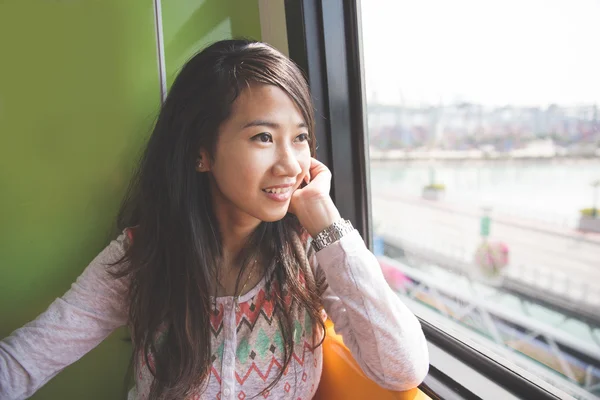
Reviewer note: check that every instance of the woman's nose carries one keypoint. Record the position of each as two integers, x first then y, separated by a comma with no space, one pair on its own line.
288,163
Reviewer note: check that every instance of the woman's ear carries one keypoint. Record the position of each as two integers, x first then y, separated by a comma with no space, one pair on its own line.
203,161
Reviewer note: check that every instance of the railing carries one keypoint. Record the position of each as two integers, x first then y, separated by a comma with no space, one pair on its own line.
567,293
520,336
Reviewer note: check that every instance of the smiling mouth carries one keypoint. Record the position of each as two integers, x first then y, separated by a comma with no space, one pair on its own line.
278,190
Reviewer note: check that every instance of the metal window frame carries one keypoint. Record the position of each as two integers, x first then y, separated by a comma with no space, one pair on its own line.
486,363
324,42
324,39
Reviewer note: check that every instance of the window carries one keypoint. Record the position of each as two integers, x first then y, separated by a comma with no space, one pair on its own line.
484,141
464,137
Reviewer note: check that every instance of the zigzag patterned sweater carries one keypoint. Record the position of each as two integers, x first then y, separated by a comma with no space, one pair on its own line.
383,335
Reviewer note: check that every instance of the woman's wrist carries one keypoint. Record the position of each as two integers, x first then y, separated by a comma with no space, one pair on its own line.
319,216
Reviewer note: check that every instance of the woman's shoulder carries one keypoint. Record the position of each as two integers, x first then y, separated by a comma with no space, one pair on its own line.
100,290
105,269
115,252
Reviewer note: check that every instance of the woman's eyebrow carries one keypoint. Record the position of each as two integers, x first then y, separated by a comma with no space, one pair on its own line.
268,124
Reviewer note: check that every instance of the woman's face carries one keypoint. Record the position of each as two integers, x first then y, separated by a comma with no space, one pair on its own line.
262,148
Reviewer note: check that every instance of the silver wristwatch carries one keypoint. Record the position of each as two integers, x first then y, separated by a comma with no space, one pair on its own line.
332,234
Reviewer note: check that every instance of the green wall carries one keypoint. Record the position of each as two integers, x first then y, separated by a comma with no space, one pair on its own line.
190,25
78,94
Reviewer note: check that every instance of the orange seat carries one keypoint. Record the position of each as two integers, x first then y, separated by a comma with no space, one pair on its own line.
343,379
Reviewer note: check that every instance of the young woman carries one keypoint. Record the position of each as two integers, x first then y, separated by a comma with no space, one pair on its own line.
230,250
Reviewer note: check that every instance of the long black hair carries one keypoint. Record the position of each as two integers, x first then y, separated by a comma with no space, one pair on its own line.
176,249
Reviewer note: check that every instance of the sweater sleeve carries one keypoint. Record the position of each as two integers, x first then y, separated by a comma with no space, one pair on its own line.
383,335
71,326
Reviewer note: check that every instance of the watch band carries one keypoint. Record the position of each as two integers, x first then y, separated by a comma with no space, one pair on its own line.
332,234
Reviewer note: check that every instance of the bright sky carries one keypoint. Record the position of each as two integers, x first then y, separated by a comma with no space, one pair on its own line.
495,52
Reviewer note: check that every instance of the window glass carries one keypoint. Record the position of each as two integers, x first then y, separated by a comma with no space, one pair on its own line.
484,134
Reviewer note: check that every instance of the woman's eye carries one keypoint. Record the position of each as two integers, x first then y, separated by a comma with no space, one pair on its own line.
263,137
303,137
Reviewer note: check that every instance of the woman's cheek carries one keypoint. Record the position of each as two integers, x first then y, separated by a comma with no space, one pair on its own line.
305,162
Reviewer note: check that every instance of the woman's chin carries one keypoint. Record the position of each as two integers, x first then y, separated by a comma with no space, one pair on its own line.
273,216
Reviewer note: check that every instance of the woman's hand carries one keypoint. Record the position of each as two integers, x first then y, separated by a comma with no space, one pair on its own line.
312,204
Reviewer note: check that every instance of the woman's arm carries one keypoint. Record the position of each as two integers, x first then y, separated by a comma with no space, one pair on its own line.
72,325
383,335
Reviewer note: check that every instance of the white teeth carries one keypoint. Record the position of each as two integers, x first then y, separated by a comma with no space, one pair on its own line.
277,190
